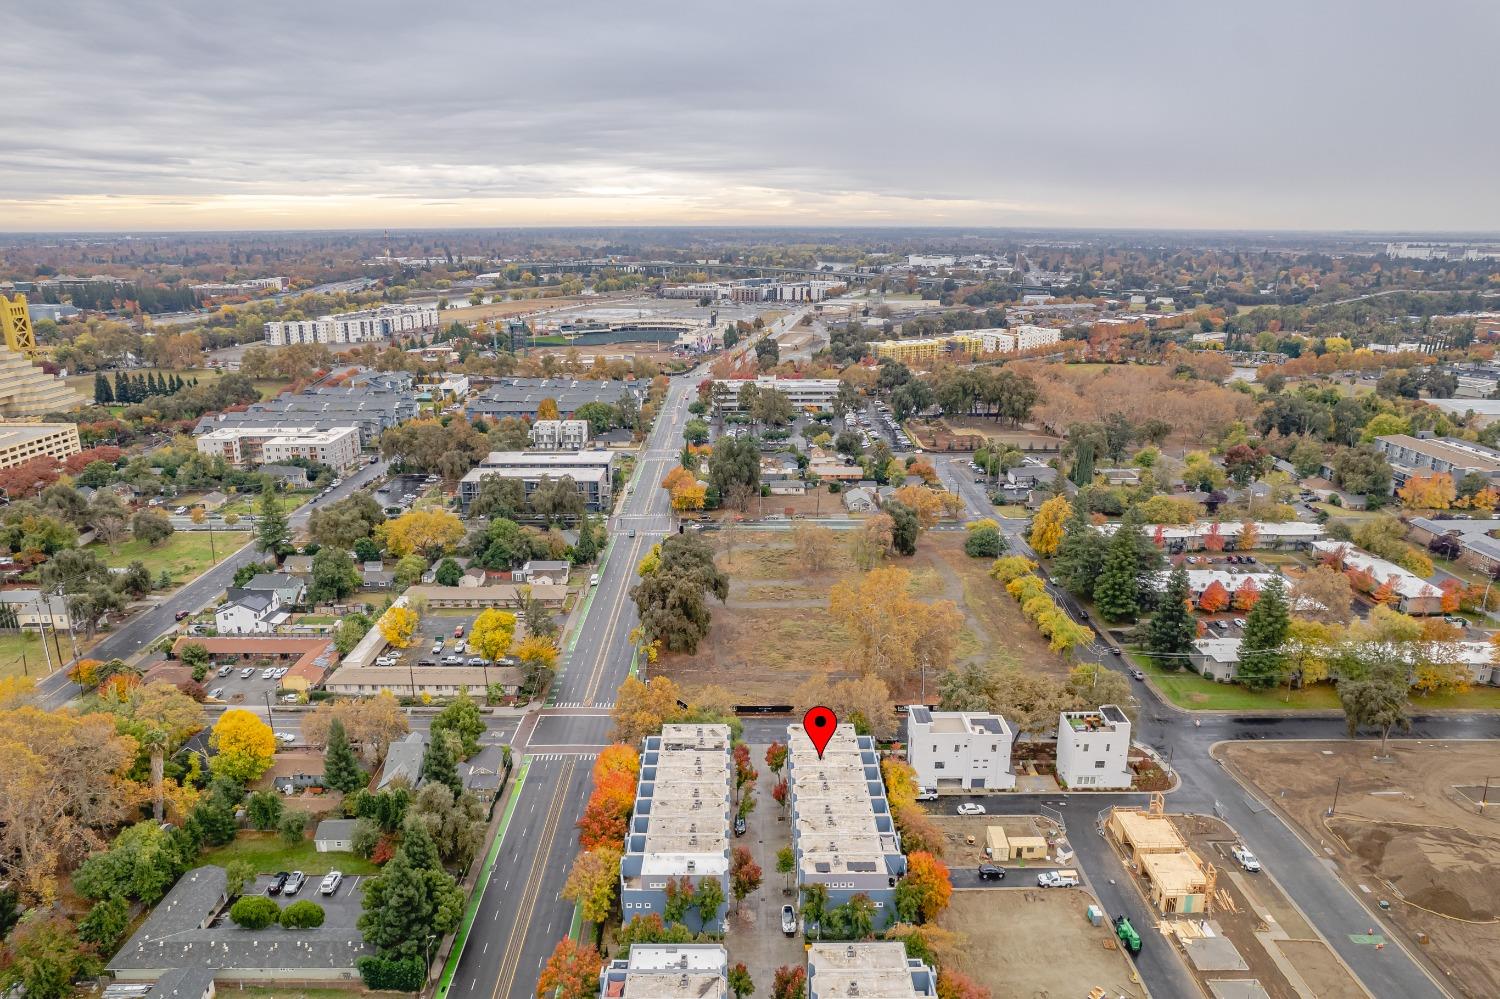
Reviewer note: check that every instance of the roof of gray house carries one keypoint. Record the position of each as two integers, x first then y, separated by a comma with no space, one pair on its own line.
276,582
404,759
184,983
180,940
254,600
335,829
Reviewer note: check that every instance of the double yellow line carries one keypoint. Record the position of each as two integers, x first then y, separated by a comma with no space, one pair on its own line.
511,964
596,675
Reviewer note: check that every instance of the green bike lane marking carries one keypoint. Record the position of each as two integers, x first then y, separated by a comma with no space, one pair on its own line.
446,979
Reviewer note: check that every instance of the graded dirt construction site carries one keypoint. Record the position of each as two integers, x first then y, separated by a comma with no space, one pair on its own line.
1037,943
1407,830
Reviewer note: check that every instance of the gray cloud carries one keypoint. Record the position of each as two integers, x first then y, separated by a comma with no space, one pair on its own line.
1278,114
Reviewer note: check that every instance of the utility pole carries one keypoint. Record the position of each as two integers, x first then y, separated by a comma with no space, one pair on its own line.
1338,783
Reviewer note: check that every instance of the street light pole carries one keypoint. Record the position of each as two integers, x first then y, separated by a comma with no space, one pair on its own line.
270,716
1338,783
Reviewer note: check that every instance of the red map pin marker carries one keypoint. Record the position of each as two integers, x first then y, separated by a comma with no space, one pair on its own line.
819,723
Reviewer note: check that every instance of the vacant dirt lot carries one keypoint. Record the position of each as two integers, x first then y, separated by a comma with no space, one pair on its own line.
775,630
1032,942
959,829
1406,830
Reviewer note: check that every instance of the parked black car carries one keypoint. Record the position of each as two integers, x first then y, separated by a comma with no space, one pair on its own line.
739,825
278,882
989,872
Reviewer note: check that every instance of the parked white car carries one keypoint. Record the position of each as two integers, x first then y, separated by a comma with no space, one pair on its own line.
331,883
969,808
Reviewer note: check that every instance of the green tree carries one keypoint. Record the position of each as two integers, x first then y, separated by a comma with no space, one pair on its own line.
739,981
142,863
985,542
341,769
238,874
406,906
1080,554
151,528
1262,652
1375,696
272,531
333,576
448,573
43,957
786,863
461,717
302,915
439,764
708,900
1117,590
672,598
904,527
254,912
292,828
105,923
1172,627
264,810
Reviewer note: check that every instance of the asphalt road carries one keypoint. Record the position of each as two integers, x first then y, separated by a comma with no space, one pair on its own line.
149,625
521,915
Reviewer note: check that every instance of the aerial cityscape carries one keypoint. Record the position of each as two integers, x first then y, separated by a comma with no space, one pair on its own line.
780,501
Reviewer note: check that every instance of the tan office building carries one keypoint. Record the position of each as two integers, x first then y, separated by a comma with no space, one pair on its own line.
21,442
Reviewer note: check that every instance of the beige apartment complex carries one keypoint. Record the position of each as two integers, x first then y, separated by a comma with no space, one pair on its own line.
21,442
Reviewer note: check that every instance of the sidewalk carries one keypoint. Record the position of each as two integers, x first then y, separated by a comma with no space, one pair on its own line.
755,936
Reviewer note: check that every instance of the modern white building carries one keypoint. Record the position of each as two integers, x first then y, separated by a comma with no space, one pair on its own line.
1093,748
367,326
679,828
959,749
560,435
245,447
930,260
815,393
668,971
867,969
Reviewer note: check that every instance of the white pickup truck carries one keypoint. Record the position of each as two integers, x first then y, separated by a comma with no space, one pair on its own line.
1058,879
1246,859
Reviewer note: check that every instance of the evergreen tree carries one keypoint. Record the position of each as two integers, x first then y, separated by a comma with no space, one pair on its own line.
122,387
1172,626
417,844
405,906
1266,627
438,763
340,769
1083,463
271,531
1080,555
1117,590
103,394
138,392
177,383
153,387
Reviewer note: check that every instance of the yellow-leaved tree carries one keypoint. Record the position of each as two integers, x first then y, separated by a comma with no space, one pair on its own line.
492,633
398,626
430,532
1047,525
243,745
536,652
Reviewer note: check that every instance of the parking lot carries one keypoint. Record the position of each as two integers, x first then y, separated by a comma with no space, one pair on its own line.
434,626
875,423
341,909
402,491
233,687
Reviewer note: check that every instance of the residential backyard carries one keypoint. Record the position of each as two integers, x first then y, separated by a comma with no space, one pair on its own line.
185,554
268,853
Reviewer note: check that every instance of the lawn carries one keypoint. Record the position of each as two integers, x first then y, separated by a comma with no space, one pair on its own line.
185,554
1013,511
268,854
248,504
1187,689
22,655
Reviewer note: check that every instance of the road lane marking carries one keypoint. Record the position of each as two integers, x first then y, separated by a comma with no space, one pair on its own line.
511,965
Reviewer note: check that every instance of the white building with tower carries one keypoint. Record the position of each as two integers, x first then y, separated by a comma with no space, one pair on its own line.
959,749
1093,748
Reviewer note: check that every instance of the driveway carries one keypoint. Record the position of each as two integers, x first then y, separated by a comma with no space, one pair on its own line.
755,936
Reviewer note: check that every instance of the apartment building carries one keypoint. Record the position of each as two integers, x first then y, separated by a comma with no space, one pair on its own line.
668,971
804,393
591,471
1093,748
679,828
559,435
959,749
248,287
21,442
1411,456
1269,535
994,340
372,409
843,835
1414,595
246,447
366,326
522,397
869,969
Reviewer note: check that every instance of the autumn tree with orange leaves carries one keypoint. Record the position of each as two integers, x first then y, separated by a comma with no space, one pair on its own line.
1245,596
1249,536
926,889
607,813
1214,598
1428,492
1213,541
572,972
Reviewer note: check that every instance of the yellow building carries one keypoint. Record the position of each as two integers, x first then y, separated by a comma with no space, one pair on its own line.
927,348
26,391
21,442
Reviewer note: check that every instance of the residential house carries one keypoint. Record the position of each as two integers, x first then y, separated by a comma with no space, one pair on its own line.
403,761
668,971
297,565
959,749
860,500
1475,543
290,590
375,576
1093,748
874,969
34,610
291,476
335,835
249,612
541,571
1216,658
1414,595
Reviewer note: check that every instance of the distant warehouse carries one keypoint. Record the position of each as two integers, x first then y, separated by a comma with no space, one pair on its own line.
522,397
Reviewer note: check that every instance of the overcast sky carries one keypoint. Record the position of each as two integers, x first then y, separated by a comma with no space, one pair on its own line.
1353,114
